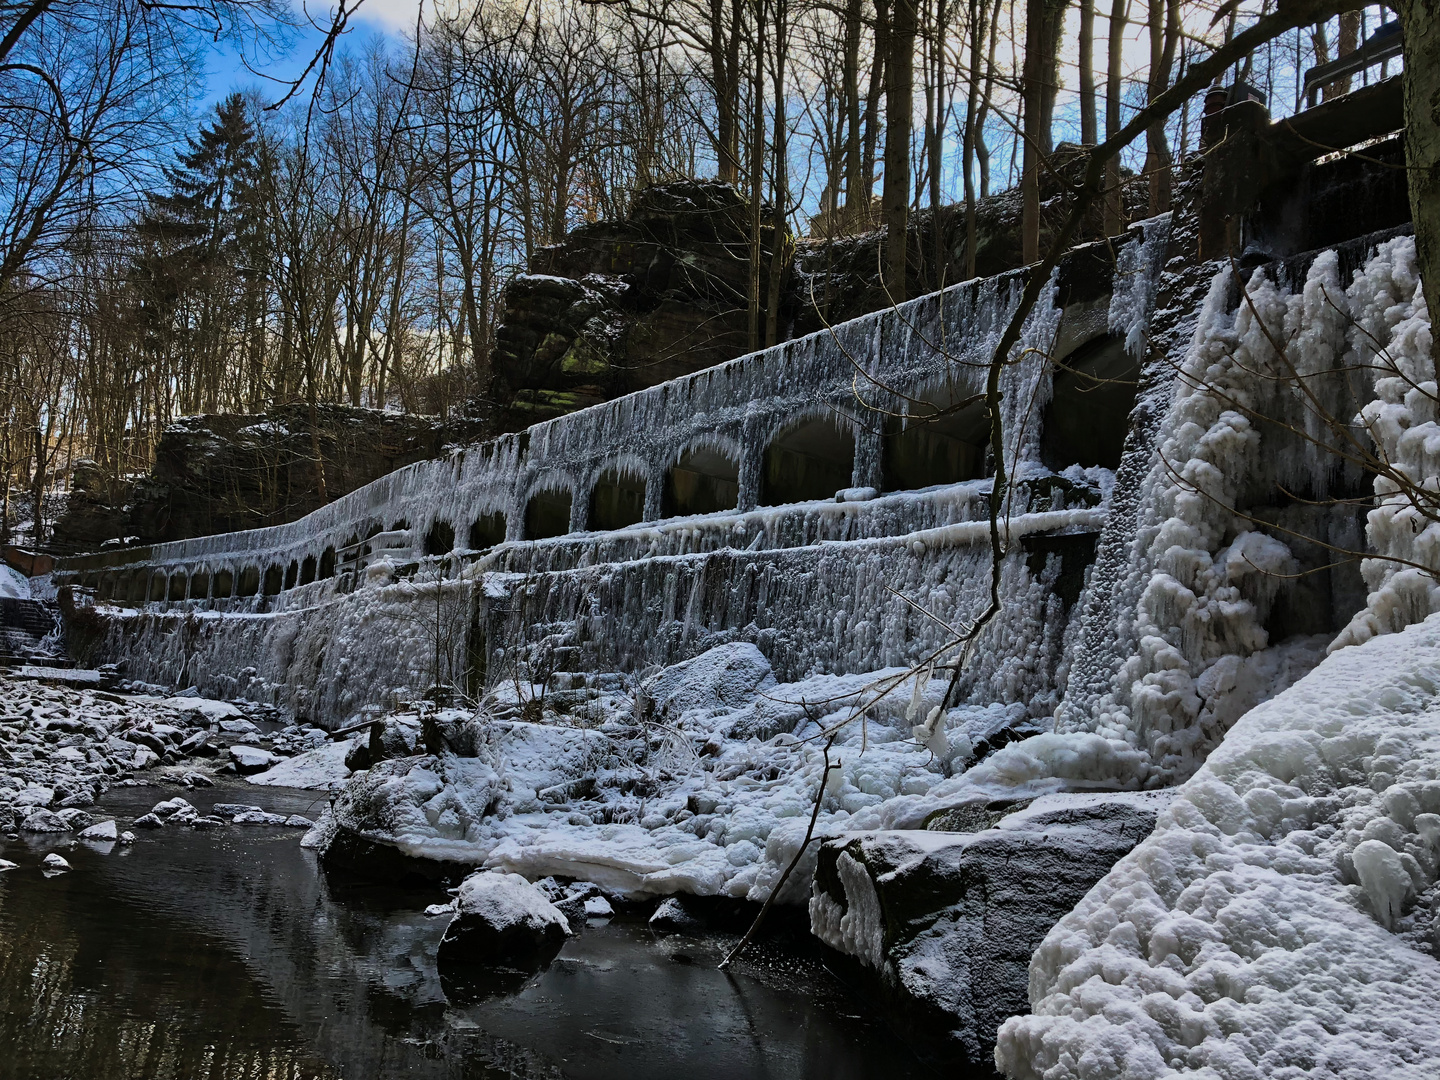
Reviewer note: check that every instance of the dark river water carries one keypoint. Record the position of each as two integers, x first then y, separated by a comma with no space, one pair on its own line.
228,954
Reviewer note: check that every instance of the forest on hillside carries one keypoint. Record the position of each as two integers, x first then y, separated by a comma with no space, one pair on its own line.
345,236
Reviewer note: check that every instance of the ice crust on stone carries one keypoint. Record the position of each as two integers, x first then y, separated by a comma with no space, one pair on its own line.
1186,641
1280,920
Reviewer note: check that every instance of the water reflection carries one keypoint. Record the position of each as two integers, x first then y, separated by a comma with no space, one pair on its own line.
226,955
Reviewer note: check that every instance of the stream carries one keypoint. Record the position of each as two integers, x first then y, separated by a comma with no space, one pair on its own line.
229,954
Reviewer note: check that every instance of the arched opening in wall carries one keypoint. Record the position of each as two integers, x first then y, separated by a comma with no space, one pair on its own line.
440,540
811,460
702,482
307,570
547,514
617,500
90,581
199,585
106,589
486,531
157,586
272,580
224,584
178,582
249,583
292,574
942,441
125,587
327,563
1089,411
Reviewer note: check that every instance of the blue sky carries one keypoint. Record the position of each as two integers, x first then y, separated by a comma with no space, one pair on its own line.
225,71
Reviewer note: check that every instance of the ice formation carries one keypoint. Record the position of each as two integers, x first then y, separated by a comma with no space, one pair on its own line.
1280,922
1395,336
1193,653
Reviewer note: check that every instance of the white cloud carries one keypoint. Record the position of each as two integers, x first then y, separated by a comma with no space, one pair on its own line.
392,16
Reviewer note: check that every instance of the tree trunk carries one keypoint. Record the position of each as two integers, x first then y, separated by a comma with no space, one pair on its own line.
872,107
982,148
899,107
779,193
757,172
725,95
1052,26
1033,94
1421,76
1163,39
937,143
857,193
972,116
1089,129
1114,201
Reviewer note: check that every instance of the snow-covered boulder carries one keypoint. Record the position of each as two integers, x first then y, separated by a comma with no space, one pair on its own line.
947,920
41,820
1281,919
424,807
501,919
251,759
723,678
391,739
101,833
320,769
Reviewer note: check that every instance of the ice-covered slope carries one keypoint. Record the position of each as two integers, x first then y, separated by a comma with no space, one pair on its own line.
1281,921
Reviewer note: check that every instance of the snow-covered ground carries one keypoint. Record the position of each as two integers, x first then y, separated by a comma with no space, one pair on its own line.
699,780
1282,920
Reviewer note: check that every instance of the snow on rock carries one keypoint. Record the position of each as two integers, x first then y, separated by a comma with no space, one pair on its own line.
54,864
502,919
104,831
43,821
723,678
63,747
315,770
1280,920
13,584
712,802
251,759
211,710
427,807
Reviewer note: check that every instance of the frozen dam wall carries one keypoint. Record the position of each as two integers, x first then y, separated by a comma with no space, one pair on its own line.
825,498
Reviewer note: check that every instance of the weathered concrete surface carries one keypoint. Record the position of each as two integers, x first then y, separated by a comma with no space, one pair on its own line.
945,922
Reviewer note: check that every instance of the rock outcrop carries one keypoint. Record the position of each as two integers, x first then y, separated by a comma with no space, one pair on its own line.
946,922
621,305
218,473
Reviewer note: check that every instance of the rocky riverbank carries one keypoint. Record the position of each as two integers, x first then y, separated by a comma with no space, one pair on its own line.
62,747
